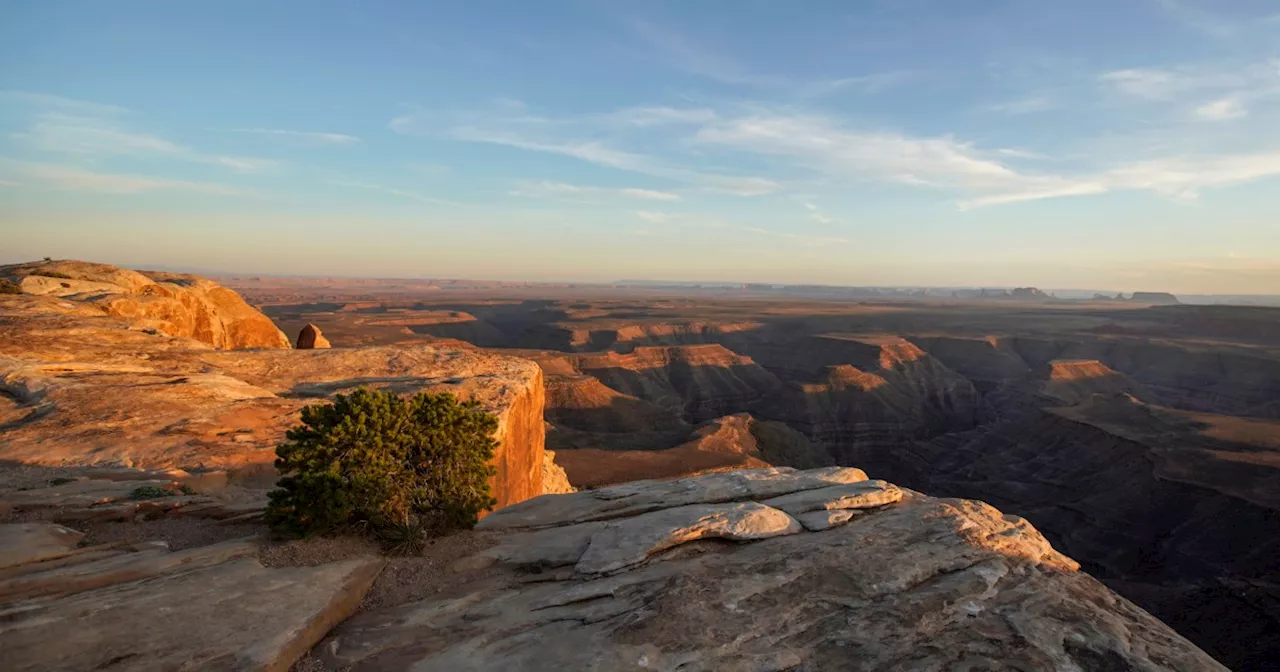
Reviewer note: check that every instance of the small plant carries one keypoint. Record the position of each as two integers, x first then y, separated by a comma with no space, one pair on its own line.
150,492
186,489
9,287
398,469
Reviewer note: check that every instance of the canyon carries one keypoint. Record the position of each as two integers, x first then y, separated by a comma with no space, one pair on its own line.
1142,440
721,446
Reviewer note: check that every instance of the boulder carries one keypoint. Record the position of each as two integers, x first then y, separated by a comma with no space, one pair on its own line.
310,338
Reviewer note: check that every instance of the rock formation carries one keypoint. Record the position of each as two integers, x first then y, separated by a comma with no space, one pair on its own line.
737,441
141,607
1156,298
310,338
830,571
169,303
81,387
554,480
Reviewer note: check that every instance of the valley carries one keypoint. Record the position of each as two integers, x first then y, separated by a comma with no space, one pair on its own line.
1142,441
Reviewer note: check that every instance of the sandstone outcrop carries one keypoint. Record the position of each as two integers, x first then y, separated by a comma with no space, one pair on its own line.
737,441
310,338
169,303
640,576
141,607
86,388
554,480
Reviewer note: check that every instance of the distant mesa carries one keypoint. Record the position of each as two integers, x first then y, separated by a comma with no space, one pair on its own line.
1157,298
311,338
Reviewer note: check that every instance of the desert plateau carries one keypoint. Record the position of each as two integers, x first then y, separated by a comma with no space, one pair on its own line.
1139,440
663,336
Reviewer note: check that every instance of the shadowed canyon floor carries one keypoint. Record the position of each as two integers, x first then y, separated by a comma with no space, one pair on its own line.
1141,440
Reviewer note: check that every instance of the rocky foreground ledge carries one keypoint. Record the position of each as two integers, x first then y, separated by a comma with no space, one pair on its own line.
760,570
829,571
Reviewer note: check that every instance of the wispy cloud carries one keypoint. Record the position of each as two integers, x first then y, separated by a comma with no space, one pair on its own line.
70,178
824,145
308,136
817,215
392,191
1182,178
1221,110
700,221
696,58
46,101
660,116
565,137
547,189
9,183
61,133
653,217
1024,105
1215,92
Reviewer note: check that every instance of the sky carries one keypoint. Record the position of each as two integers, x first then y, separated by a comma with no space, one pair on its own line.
1118,144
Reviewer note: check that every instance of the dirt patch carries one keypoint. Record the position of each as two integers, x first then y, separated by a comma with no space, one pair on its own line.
412,578
179,532
315,551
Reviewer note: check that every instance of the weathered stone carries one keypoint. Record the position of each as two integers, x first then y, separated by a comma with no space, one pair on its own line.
864,495
21,543
629,499
923,584
816,521
128,567
622,543
550,547
110,389
311,338
83,493
80,556
236,615
554,480
169,303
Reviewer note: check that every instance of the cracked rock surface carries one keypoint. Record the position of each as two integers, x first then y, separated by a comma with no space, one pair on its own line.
706,573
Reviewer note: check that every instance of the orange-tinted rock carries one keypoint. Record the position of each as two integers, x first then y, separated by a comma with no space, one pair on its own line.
88,389
311,338
169,303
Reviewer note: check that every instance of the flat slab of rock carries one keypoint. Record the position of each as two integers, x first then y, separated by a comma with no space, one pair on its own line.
630,499
630,541
236,615
924,584
21,543
816,521
864,495
97,573
82,493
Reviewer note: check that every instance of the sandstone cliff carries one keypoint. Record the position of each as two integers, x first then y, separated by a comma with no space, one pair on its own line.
169,303
81,387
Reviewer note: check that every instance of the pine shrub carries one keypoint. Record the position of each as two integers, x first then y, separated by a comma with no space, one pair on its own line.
377,462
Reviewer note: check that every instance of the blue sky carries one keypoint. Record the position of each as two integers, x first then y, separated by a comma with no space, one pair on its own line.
1126,144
